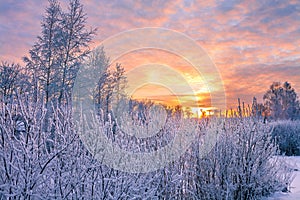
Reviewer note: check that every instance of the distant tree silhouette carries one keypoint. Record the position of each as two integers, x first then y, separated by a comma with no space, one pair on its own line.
281,101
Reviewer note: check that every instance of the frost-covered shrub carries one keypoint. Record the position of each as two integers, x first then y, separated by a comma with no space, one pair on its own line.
41,157
287,135
242,164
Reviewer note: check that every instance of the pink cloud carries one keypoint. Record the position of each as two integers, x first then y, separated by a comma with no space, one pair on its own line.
245,39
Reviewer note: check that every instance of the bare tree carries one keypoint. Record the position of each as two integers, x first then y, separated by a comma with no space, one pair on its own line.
54,59
75,39
111,88
43,61
12,80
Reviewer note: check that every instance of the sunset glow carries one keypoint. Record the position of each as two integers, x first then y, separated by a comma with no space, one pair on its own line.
251,43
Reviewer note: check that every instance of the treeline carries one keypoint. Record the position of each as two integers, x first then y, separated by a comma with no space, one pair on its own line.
280,102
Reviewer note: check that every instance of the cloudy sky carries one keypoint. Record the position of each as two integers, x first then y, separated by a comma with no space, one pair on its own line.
251,43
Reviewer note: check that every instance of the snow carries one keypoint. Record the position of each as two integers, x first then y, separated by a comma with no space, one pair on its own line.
294,193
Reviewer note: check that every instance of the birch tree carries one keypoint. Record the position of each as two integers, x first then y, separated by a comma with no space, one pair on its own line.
55,58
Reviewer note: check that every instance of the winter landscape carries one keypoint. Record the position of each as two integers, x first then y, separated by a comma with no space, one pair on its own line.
150,100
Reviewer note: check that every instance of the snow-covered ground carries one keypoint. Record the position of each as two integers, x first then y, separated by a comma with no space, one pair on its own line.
295,186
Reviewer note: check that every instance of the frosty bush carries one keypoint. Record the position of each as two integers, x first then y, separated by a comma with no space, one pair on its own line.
286,133
41,157
242,164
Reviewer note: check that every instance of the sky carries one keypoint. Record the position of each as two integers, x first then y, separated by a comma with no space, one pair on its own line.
250,43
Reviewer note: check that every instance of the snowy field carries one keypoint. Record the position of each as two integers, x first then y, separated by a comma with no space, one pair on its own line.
295,186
